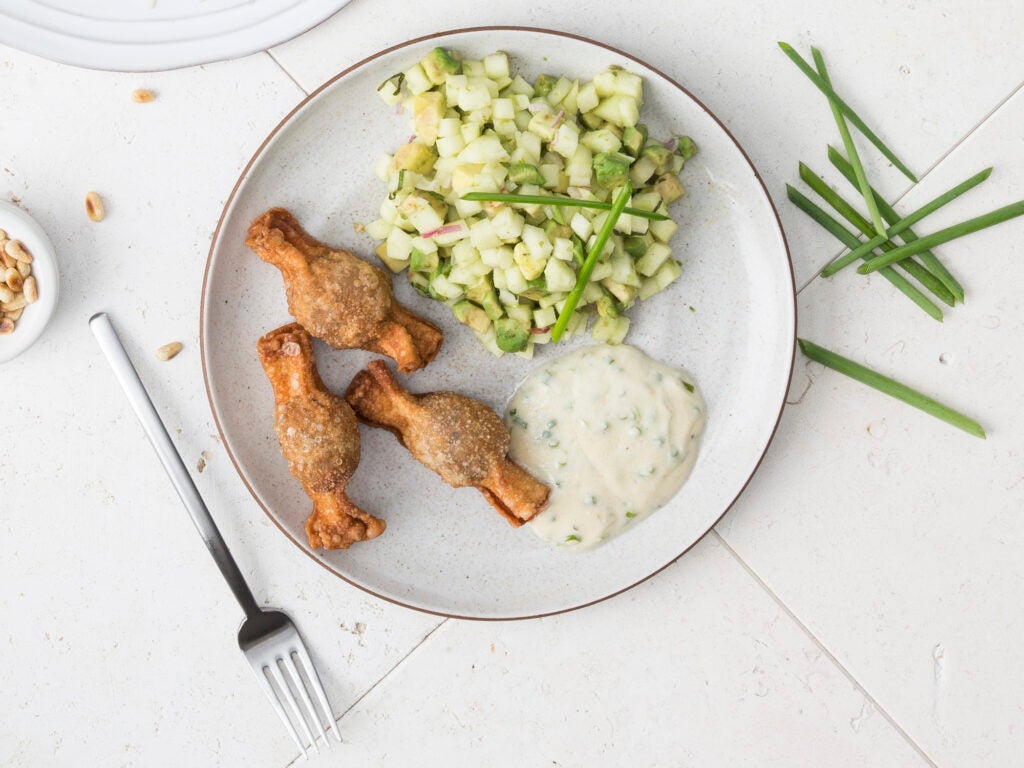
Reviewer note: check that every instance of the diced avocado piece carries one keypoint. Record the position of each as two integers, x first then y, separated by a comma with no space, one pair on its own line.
624,293
610,330
611,168
479,289
440,63
524,173
669,188
553,229
511,335
661,156
543,85
634,246
417,158
634,138
428,109
469,313
491,305
607,306
422,262
686,147
420,282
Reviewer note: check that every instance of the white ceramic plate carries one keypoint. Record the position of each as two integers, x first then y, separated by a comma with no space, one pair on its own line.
445,550
36,316
147,35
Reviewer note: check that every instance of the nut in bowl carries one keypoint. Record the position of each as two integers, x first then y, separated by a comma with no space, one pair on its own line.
29,281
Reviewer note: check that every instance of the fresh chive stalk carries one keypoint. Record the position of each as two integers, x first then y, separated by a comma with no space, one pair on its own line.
846,109
851,148
890,387
618,206
989,219
852,215
502,197
850,240
905,223
928,258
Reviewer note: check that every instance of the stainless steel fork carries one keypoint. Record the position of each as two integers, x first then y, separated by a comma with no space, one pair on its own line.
269,639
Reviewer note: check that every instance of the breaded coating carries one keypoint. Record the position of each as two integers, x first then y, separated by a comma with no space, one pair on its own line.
460,438
339,298
319,437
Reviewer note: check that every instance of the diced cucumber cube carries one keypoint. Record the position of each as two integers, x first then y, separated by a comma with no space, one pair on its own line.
449,126
378,229
580,166
497,258
471,131
559,90
507,224
602,270
520,312
382,167
551,299
559,275
628,84
483,236
503,109
566,139
514,280
601,140
587,98
653,258
619,110
562,249
604,85
399,245
445,288
543,318
450,146
483,149
521,86
642,171
496,65
663,230
416,80
581,226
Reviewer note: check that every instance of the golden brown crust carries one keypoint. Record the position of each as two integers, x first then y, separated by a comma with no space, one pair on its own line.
339,298
319,438
459,438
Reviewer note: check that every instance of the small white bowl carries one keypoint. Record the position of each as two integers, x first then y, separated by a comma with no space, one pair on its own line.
30,326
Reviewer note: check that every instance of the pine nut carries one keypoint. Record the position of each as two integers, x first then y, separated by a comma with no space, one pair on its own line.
17,249
167,351
6,294
14,279
94,207
18,302
14,314
31,290
6,326
143,96
23,267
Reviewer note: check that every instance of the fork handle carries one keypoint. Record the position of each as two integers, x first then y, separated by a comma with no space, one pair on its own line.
129,380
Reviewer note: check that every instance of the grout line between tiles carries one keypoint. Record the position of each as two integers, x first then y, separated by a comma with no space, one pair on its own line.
956,145
381,679
284,69
828,654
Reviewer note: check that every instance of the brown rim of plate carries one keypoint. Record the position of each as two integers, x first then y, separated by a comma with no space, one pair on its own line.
287,118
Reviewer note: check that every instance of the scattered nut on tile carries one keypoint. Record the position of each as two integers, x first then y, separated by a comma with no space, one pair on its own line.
18,286
143,96
94,207
167,351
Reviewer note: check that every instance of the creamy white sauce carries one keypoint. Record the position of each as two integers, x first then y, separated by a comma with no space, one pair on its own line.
613,432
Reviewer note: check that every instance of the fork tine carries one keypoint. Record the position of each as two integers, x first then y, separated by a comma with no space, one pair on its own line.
318,688
261,675
292,703
293,673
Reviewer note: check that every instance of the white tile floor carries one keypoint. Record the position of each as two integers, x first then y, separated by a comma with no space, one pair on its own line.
859,606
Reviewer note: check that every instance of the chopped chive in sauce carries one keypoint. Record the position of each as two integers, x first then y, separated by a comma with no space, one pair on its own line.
631,514
688,386
572,537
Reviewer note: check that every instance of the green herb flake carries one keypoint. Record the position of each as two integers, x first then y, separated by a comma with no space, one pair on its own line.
572,537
